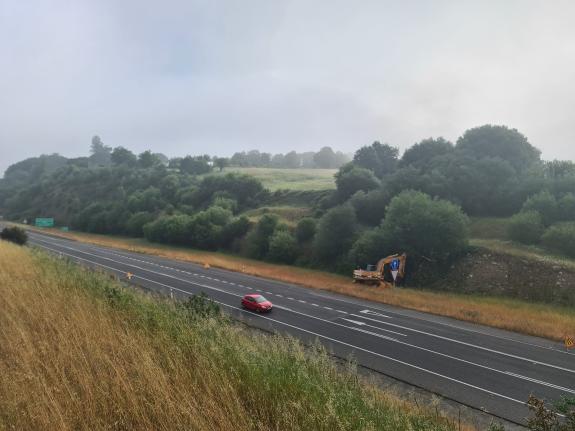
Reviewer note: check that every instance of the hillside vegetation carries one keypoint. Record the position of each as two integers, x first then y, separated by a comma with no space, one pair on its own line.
418,202
79,351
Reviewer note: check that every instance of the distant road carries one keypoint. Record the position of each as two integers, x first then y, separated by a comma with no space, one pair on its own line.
481,367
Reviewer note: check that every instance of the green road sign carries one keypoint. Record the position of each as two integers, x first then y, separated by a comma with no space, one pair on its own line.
44,222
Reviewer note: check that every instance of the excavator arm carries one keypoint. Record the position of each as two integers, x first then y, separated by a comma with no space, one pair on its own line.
378,276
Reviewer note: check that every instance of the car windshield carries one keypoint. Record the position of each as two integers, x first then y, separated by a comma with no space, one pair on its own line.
260,299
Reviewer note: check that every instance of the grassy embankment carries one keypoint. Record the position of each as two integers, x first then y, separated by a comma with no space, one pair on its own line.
79,351
293,179
491,233
549,321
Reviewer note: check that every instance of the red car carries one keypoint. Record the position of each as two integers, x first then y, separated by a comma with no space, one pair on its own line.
256,302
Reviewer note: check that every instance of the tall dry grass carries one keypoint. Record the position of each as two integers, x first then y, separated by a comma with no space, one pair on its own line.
542,320
79,351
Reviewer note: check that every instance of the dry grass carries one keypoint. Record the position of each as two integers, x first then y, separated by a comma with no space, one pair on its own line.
529,252
543,320
78,351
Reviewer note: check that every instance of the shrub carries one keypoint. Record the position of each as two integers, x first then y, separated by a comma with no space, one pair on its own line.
168,229
370,206
561,238
305,229
369,248
135,224
351,179
424,227
282,247
566,207
526,227
545,204
335,234
14,234
235,229
258,239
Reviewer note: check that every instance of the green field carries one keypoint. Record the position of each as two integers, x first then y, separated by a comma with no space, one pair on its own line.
292,179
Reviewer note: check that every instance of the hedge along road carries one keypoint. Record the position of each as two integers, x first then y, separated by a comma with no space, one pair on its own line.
485,368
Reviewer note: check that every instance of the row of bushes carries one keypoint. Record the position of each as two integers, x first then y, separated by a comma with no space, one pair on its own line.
427,229
547,220
528,227
210,229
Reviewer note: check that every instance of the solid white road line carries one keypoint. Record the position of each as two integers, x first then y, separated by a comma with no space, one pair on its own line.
521,358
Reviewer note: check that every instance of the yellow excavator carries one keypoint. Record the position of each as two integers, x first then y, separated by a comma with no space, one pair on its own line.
388,272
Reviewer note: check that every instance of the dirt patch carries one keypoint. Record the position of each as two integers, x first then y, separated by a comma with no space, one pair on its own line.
483,271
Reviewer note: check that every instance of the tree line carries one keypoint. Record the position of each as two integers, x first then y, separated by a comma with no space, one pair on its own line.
384,202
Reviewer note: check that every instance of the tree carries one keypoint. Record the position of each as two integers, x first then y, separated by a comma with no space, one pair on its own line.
100,152
424,227
168,229
526,227
370,206
258,239
421,153
235,229
221,163
370,247
502,142
135,224
305,229
566,208
122,156
545,204
194,165
381,159
335,234
147,159
325,158
350,179
162,158
559,169
282,247
292,160
245,189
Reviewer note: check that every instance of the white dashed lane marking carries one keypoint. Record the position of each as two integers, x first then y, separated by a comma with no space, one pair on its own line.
224,281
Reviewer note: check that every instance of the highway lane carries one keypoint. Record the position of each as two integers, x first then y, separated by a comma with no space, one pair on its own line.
481,367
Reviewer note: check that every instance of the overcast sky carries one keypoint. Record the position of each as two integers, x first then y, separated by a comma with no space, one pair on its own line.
221,76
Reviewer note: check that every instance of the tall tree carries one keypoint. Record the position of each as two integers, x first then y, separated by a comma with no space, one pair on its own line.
292,160
379,158
502,142
325,158
220,163
122,156
421,153
100,152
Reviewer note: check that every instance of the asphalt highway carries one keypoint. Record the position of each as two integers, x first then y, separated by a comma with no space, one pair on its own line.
484,368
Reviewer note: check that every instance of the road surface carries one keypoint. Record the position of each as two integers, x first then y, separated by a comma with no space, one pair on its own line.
485,368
